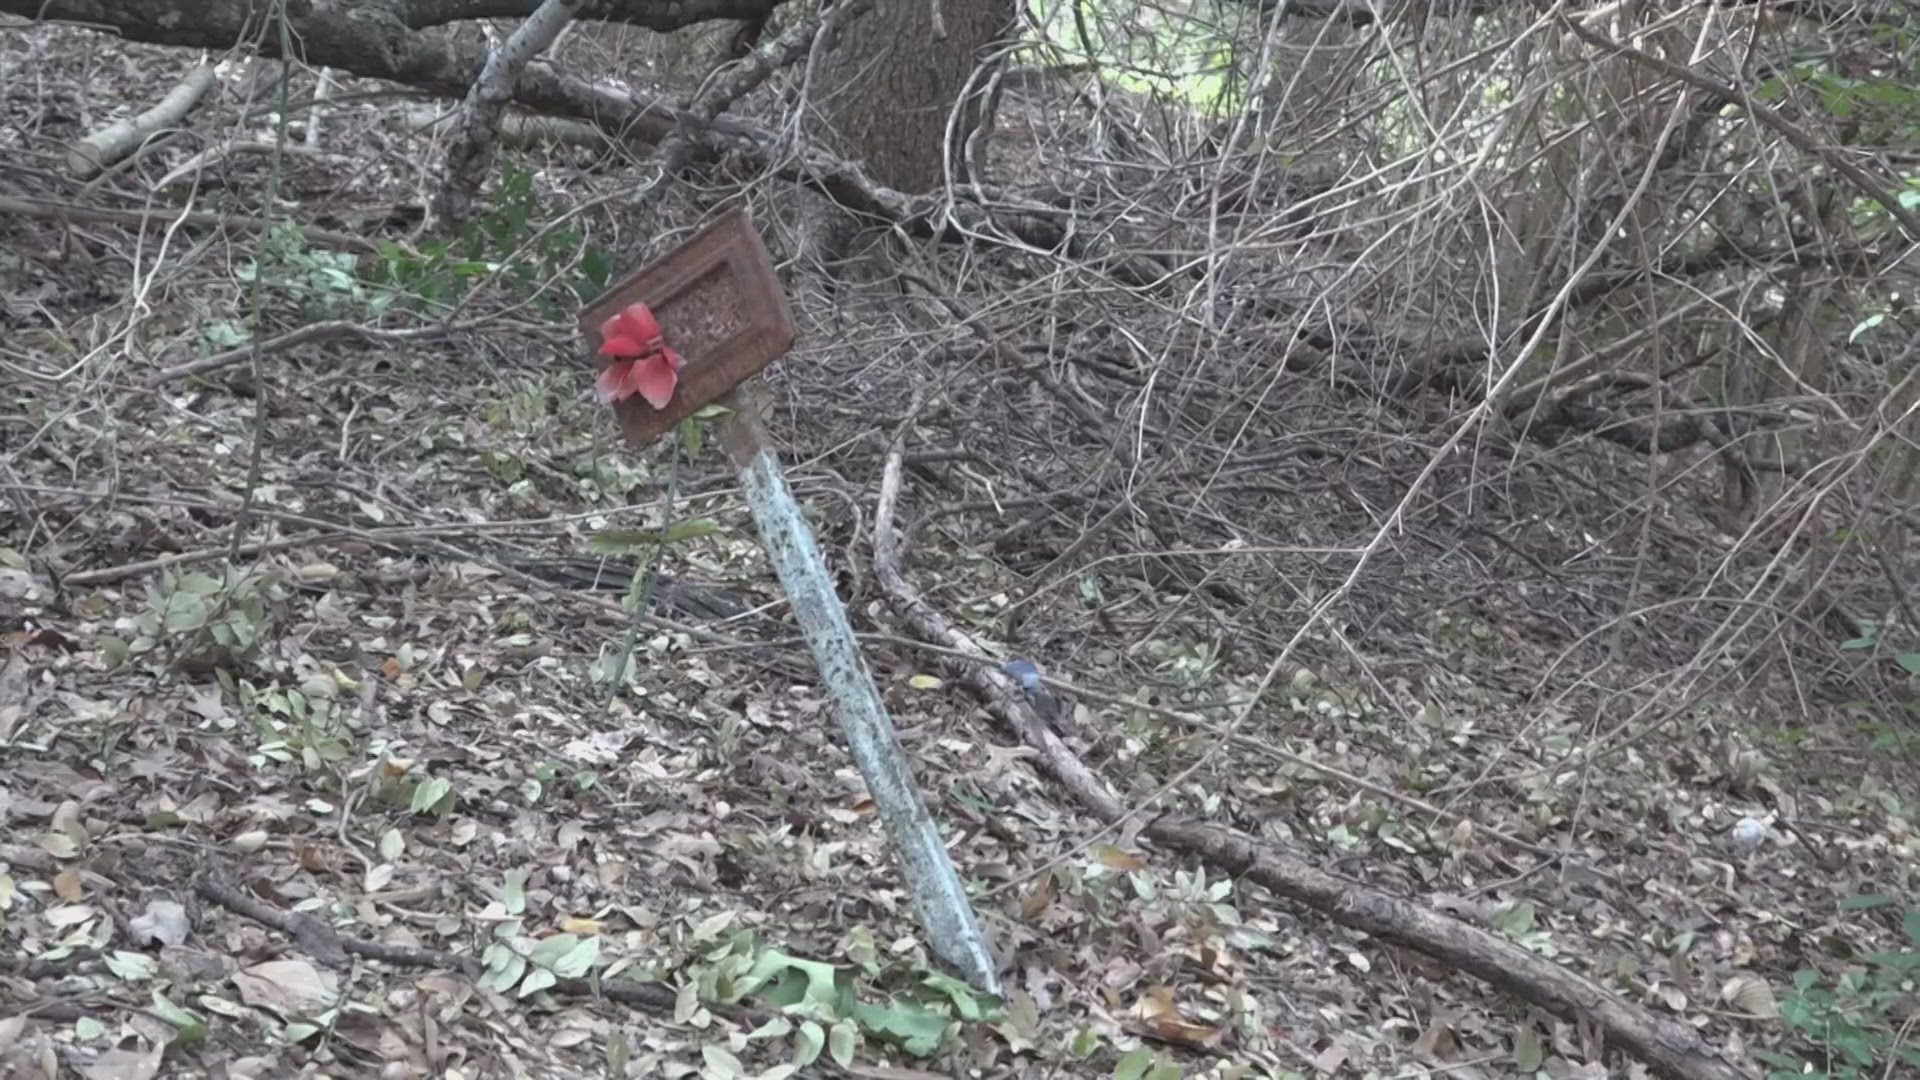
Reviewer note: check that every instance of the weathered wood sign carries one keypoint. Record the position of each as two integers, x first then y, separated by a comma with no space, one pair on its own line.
718,305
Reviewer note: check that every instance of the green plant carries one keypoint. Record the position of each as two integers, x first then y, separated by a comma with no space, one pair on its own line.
518,960
1856,1026
196,620
822,1006
553,774
515,239
1193,666
320,283
304,723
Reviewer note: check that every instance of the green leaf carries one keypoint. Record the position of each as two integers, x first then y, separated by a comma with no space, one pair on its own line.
691,529
965,1000
1865,902
842,1039
1865,325
1134,1064
597,267
914,1028
504,969
789,981
514,895
131,966
428,793
721,1065
192,1029
808,1042
623,541
113,651
1909,662
185,612
550,950
570,956
581,960
643,541
1528,1055
199,584
537,980
1515,920
778,1027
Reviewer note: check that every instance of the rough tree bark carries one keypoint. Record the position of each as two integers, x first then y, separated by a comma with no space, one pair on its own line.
892,78
399,40
470,153
187,22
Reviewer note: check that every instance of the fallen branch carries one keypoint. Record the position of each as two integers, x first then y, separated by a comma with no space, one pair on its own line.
379,42
111,143
517,129
213,155
330,330
195,219
1670,1047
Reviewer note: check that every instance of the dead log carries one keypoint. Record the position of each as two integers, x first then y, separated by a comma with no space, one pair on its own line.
93,153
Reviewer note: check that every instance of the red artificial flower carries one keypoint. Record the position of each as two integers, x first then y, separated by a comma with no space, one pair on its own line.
643,363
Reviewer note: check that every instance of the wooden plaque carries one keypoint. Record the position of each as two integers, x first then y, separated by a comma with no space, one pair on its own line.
719,305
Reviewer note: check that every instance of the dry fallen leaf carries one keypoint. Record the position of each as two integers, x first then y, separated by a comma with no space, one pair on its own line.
1328,1061
164,922
1436,1043
1160,1019
66,885
288,987
1750,994
1038,898
1115,859
126,1065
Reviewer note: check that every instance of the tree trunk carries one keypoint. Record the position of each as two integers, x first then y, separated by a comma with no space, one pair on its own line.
891,81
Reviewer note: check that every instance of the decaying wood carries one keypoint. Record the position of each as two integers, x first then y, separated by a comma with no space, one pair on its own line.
120,138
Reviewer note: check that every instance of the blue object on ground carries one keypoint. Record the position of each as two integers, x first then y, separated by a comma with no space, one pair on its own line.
1043,699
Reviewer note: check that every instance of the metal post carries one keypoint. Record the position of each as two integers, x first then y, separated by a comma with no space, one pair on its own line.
952,928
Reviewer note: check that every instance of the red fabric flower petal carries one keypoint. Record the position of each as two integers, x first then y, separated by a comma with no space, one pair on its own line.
609,384
632,331
622,346
644,365
653,378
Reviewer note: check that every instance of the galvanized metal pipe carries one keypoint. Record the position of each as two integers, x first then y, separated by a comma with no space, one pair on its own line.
953,931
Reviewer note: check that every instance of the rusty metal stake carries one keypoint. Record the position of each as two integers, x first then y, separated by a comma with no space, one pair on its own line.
952,928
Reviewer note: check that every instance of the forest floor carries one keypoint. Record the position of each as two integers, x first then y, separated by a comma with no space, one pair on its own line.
255,812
